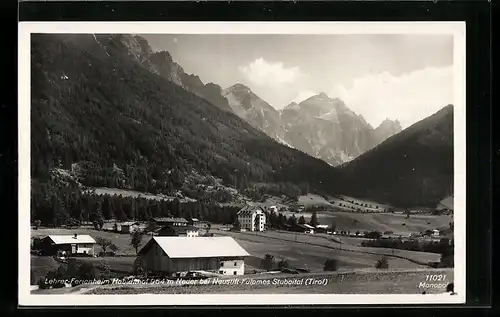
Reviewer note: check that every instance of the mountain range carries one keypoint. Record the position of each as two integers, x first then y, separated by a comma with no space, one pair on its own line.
108,102
319,126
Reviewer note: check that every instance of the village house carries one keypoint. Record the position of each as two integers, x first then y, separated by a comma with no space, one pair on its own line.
159,222
166,256
178,231
273,209
129,226
201,225
322,228
77,244
252,218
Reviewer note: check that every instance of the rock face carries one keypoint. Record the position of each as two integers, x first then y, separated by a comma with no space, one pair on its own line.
325,128
387,129
254,110
319,126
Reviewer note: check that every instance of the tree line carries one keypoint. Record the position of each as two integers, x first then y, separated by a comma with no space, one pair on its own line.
67,205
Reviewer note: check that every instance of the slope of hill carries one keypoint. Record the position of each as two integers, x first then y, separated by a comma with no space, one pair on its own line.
412,168
96,102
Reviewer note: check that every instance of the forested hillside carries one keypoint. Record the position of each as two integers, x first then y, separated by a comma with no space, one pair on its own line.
97,111
412,168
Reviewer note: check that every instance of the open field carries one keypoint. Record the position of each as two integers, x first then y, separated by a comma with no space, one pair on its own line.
40,266
312,251
382,222
133,193
359,282
348,243
313,200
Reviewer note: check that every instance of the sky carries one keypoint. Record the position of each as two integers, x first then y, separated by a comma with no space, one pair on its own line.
403,77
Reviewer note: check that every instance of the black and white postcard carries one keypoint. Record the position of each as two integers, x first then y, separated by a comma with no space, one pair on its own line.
188,163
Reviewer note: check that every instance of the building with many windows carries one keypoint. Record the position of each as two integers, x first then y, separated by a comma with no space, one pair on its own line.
252,218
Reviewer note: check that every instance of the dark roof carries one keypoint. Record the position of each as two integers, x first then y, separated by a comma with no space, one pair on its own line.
178,229
305,226
169,219
247,210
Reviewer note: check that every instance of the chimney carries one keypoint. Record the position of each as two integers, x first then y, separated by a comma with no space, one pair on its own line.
76,235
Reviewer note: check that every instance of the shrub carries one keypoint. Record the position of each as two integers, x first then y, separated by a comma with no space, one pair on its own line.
267,262
283,264
137,268
136,240
331,265
37,224
104,270
86,271
42,285
383,263
373,235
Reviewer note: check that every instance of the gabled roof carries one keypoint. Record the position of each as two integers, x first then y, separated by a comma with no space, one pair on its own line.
179,229
248,210
200,247
129,223
305,226
70,239
169,219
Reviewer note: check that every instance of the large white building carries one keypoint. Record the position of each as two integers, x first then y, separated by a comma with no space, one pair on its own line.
247,217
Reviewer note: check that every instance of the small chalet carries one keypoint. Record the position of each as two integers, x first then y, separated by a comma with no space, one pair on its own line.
167,256
178,231
77,244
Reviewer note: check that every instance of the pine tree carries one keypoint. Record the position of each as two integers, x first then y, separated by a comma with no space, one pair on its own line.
314,219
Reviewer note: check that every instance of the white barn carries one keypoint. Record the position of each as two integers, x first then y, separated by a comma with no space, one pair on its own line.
247,218
169,255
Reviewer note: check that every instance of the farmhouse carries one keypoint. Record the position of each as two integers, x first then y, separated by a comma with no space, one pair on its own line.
322,228
305,228
169,255
77,244
178,231
164,221
252,218
130,226
201,225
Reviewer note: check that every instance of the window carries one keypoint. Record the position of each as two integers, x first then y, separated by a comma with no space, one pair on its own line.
221,272
221,263
235,272
235,263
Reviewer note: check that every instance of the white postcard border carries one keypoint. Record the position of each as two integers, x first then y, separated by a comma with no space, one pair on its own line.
457,29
